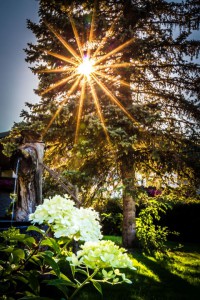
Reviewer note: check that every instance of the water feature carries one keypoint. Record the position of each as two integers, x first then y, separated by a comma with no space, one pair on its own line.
14,199
27,165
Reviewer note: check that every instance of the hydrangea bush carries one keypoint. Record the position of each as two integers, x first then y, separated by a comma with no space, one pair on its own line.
101,254
67,220
50,258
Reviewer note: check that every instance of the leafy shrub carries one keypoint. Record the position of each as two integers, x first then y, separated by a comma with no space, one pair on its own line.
36,265
183,215
152,237
111,216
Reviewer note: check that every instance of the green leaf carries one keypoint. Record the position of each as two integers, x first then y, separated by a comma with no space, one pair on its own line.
97,286
128,281
51,243
18,237
35,228
110,273
82,272
18,254
67,280
8,249
29,241
20,278
48,253
51,262
33,281
115,280
59,281
73,270
37,259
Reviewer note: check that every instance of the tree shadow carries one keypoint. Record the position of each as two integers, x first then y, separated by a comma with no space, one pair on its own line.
171,286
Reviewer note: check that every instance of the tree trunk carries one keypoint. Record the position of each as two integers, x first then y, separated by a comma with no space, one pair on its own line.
28,158
129,207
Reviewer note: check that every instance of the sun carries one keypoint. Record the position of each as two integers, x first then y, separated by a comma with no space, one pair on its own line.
86,67
91,69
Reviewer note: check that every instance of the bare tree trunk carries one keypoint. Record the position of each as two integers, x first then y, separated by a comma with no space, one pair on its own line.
129,207
29,157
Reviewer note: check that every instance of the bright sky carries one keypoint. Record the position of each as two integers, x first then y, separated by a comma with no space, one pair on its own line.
16,79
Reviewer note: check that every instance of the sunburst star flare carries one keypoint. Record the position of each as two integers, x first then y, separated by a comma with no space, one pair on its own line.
87,66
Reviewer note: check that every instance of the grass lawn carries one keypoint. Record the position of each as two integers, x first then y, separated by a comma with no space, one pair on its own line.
176,277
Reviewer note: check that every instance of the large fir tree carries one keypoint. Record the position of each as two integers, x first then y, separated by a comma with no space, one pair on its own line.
140,107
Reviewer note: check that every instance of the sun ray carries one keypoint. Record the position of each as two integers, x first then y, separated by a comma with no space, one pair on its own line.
103,41
58,70
62,57
76,36
113,98
72,89
80,108
119,48
93,69
65,44
91,35
58,83
112,78
98,107
115,66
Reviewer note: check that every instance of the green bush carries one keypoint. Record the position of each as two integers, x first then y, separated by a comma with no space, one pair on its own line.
36,265
151,236
111,216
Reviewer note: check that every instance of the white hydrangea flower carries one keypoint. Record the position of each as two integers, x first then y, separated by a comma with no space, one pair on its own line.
52,210
104,254
87,222
67,220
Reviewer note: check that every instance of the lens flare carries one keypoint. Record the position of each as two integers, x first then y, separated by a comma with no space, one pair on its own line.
86,67
85,72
